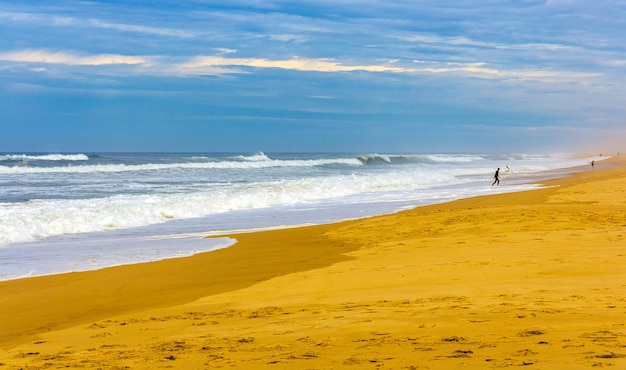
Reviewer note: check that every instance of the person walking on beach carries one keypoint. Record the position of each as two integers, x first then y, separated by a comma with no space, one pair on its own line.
592,164
496,177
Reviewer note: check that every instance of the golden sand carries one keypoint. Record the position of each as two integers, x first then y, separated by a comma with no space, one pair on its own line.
535,279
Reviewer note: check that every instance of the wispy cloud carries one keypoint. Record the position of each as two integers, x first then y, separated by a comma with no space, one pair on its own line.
46,57
468,42
142,29
222,51
199,64
65,21
289,38
483,70
19,17
219,64
207,65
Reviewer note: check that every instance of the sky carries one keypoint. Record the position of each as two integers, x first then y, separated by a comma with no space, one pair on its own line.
384,76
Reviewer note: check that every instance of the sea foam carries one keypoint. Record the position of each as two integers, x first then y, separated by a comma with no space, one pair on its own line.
98,200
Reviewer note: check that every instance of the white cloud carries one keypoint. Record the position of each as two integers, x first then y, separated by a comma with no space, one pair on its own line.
210,64
465,41
614,63
46,57
61,21
200,63
19,17
483,71
222,51
289,38
219,64
142,29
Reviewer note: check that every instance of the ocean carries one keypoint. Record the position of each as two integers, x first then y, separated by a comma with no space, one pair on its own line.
83,211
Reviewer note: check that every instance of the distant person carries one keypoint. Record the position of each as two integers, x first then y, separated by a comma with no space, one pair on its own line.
496,177
592,164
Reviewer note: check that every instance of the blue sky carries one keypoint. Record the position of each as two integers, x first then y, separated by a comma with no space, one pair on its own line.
312,76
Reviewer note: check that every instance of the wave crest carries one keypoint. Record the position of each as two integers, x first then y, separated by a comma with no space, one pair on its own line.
231,164
373,159
44,157
257,157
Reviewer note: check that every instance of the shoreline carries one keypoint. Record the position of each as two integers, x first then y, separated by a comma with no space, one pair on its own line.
55,245
370,267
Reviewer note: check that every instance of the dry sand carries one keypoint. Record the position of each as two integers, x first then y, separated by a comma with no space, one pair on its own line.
534,279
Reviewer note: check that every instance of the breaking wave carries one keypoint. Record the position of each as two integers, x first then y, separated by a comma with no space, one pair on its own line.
44,157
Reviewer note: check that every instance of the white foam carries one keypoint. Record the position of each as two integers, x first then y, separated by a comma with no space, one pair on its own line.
449,158
271,197
44,157
249,164
37,219
77,254
42,218
258,157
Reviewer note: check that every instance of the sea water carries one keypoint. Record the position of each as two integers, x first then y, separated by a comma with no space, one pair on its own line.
83,211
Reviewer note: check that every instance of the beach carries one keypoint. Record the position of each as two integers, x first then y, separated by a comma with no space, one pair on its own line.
534,278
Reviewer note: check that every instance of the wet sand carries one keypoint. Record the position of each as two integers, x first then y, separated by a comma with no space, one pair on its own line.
535,279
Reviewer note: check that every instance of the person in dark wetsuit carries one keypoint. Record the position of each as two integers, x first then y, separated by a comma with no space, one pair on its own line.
496,177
